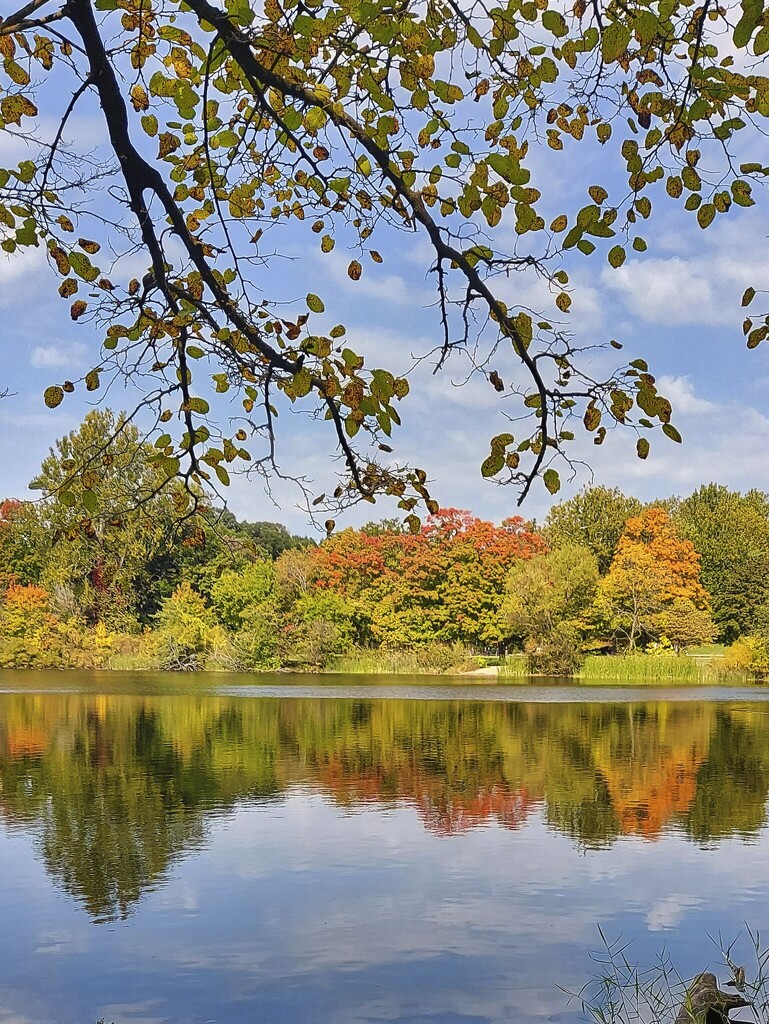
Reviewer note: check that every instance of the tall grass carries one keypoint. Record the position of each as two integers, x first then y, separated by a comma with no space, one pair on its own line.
433,659
622,992
653,669
514,666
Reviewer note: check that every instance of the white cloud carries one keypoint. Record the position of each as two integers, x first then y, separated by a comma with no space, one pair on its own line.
531,291
680,392
19,275
671,291
374,284
668,912
57,357
695,290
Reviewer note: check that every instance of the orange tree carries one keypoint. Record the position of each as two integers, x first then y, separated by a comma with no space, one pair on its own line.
222,135
32,636
653,585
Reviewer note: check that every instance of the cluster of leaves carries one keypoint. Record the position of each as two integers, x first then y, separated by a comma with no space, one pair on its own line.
243,125
443,584
652,588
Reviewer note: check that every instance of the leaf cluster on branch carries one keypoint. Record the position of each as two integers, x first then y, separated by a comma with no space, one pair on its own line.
223,131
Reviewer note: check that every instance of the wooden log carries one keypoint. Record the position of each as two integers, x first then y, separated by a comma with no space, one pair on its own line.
706,1003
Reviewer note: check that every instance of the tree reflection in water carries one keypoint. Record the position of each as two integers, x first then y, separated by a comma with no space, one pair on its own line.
116,787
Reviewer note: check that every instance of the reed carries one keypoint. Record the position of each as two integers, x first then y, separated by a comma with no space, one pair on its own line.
653,669
514,666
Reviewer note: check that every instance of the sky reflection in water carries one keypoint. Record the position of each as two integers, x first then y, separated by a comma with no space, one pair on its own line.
196,856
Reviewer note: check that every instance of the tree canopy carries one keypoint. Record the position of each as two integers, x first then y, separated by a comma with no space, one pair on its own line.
222,133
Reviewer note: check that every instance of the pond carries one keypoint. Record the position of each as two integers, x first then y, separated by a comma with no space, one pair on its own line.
229,849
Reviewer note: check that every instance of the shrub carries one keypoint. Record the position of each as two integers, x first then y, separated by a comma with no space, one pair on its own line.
186,634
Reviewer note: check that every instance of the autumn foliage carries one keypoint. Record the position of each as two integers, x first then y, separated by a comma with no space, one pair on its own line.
677,563
444,583
653,588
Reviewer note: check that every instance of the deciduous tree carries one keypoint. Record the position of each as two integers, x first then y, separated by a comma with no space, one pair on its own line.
114,518
731,534
546,601
653,573
594,519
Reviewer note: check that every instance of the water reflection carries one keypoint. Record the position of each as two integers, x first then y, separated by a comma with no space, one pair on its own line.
114,788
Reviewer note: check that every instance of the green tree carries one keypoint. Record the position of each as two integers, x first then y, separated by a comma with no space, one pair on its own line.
685,625
731,534
249,124
594,519
186,634
99,545
246,602
545,605
269,540
24,544
317,627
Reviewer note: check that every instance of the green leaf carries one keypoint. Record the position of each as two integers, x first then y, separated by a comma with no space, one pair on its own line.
198,405
617,256
615,41
222,474
552,481
751,14
642,447
89,501
706,215
302,383
150,125
670,431
82,266
53,396
555,22
315,303
761,43
492,464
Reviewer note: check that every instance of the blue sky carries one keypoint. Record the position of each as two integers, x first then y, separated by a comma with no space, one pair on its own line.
677,305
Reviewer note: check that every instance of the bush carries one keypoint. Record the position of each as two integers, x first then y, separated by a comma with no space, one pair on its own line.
557,653
32,636
749,654
186,634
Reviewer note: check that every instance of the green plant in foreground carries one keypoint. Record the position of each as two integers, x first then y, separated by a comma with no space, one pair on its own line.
623,992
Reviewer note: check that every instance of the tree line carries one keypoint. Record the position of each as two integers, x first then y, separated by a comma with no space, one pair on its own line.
151,579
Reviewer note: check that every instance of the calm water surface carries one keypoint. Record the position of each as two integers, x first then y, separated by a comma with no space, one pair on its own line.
206,849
